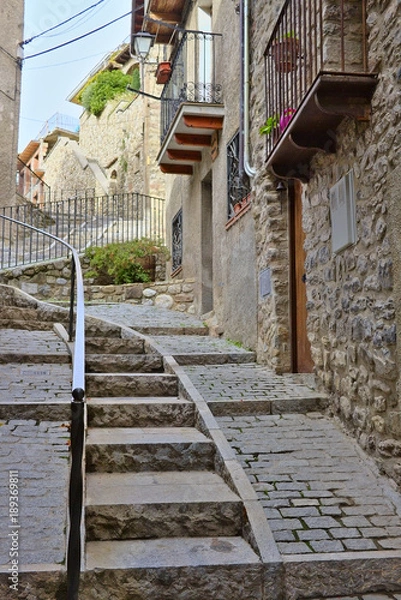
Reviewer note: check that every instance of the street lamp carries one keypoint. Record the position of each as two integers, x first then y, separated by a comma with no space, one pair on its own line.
141,44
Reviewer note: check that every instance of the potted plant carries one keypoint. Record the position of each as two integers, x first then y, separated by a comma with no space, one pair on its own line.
271,126
285,52
285,118
163,72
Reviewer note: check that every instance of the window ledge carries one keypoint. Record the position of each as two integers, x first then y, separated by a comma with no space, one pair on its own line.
244,209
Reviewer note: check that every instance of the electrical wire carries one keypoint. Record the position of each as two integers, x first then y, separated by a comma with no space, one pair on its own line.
29,40
77,38
78,23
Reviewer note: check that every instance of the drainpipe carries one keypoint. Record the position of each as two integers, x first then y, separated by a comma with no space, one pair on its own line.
245,90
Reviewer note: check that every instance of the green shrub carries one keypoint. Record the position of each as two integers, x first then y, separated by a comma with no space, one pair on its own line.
122,262
104,87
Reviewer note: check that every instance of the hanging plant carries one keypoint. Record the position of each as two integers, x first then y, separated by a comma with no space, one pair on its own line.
105,86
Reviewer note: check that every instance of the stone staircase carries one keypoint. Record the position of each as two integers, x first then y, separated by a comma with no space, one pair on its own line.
161,522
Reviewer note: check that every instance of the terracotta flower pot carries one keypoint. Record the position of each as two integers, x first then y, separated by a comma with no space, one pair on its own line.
163,72
285,54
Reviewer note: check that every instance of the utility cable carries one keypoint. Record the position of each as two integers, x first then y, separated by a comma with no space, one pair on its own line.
29,40
78,38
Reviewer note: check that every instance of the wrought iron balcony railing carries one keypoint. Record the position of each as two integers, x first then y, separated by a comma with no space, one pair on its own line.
315,65
193,75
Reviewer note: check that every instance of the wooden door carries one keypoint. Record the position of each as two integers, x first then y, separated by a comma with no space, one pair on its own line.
301,352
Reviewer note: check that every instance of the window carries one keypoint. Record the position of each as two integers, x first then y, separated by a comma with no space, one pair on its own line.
177,242
342,213
238,186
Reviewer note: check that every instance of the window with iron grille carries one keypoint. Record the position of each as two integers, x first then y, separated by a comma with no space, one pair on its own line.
177,241
238,186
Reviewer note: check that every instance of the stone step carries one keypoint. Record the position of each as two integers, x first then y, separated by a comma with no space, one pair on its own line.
124,363
160,504
218,568
157,411
29,325
113,345
120,449
135,384
18,313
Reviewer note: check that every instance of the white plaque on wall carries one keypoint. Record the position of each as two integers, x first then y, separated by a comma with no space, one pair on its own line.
342,213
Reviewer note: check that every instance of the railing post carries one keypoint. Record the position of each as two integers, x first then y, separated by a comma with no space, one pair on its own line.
72,292
75,493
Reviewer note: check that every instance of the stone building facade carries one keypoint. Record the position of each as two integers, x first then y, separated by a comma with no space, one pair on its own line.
352,292
116,150
215,246
11,24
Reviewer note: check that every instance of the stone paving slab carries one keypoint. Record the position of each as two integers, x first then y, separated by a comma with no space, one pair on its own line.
223,383
35,382
34,458
195,344
142,317
21,343
320,494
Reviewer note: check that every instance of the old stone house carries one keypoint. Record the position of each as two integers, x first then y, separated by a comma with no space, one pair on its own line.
31,186
11,25
108,153
329,238
211,243
306,268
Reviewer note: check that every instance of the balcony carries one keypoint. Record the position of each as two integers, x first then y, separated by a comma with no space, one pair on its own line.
316,74
191,108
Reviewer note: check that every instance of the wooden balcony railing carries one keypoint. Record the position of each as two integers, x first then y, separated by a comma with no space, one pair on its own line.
316,72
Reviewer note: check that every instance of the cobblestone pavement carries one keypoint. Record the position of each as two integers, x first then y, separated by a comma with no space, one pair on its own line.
14,341
318,491
36,454
35,451
195,344
38,382
140,316
247,381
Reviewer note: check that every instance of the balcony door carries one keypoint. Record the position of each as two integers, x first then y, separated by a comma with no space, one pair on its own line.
204,51
301,352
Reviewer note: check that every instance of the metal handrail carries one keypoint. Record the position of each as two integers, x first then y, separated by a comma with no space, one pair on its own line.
80,222
77,414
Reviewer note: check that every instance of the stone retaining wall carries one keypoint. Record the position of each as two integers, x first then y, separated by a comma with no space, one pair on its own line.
51,281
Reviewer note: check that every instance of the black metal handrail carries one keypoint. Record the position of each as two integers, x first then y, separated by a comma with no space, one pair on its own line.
77,412
80,222
309,39
193,75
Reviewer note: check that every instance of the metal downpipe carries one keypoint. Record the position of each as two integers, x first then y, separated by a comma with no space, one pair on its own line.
245,88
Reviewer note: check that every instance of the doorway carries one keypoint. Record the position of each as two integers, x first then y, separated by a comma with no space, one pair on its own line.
207,246
301,351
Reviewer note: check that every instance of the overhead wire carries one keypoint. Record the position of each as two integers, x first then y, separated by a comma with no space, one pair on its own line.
34,37
79,22
77,38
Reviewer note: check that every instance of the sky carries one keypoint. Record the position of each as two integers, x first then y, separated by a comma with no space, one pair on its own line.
47,80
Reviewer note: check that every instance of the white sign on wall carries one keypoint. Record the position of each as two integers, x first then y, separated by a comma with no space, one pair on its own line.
342,213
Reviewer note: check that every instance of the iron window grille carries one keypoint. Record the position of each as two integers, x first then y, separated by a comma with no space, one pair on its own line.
177,241
238,185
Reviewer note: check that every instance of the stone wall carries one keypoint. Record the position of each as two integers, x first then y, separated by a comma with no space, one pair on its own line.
11,26
51,281
117,149
353,295
64,171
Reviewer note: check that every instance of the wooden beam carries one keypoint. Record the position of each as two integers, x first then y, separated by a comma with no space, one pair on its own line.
189,139
202,122
176,169
186,155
